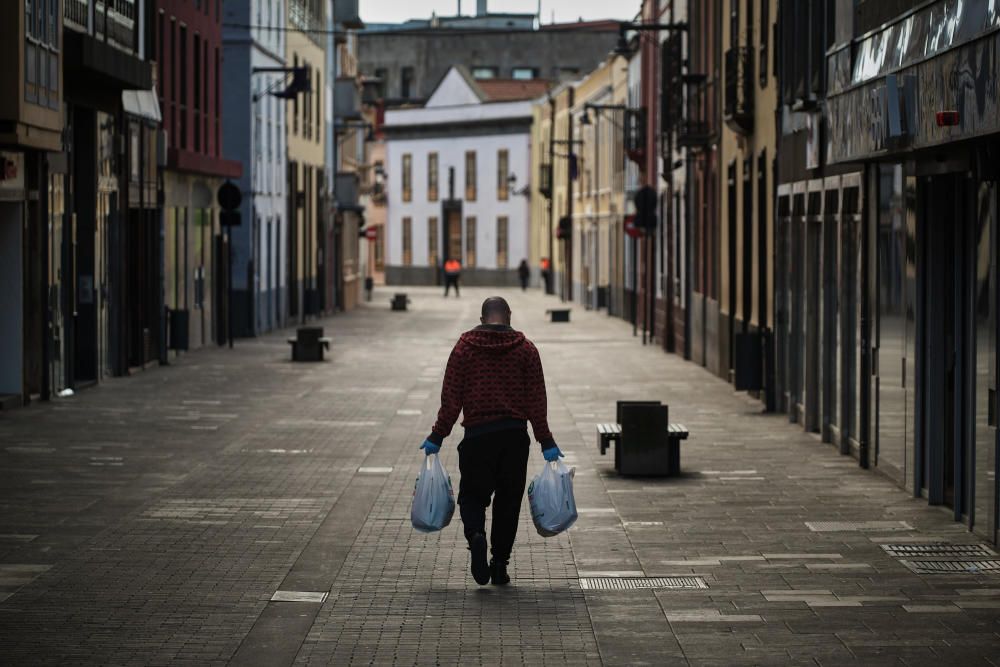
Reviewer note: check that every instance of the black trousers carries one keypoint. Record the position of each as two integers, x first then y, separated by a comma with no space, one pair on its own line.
449,282
493,464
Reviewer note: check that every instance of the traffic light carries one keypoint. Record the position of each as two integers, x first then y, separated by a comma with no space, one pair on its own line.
645,208
565,229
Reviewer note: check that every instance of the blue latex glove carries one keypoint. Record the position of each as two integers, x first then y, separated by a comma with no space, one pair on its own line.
430,448
552,454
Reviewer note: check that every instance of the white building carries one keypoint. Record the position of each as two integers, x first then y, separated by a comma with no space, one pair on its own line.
254,133
456,169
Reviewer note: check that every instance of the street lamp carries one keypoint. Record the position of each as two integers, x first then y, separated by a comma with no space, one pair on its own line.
624,49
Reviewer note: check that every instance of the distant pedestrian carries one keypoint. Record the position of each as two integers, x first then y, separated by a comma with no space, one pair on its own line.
547,274
452,271
523,272
494,377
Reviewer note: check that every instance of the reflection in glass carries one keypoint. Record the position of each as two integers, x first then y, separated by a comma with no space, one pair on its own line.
985,296
891,332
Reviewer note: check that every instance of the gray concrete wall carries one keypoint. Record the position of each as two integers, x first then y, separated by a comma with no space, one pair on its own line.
558,55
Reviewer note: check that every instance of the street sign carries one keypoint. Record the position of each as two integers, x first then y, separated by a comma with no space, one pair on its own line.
229,196
371,234
630,228
229,218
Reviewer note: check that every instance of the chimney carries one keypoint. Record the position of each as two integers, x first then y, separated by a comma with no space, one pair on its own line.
481,8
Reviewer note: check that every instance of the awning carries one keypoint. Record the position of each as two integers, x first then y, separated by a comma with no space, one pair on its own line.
143,104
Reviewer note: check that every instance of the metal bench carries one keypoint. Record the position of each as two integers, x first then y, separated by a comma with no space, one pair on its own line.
646,443
308,344
399,301
558,314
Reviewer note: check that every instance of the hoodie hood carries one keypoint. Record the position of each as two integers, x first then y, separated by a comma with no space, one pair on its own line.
493,338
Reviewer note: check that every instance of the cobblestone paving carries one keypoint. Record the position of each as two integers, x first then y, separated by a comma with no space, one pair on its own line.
152,519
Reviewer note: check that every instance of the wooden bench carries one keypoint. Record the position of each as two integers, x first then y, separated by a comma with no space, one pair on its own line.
646,443
399,301
308,344
558,314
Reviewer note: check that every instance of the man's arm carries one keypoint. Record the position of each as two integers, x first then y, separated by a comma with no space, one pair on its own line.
537,403
451,398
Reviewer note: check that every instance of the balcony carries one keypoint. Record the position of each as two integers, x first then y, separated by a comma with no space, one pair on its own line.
346,102
738,103
345,191
694,129
345,12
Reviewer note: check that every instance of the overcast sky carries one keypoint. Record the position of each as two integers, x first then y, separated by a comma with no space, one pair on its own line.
396,11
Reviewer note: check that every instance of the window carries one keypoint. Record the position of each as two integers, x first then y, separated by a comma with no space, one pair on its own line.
765,31
502,242
524,73
218,105
406,83
382,74
432,177
407,241
470,241
503,191
295,101
432,241
470,175
319,104
379,248
184,88
197,92
407,180
484,72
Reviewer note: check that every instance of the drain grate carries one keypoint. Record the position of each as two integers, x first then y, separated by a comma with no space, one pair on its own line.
952,566
640,583
846,526
939,549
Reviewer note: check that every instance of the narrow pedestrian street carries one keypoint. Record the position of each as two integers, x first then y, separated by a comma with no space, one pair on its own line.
236,508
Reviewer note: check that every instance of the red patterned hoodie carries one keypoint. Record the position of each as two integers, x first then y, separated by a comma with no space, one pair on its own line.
494,376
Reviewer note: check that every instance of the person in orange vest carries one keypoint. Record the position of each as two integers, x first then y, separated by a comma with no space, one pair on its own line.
546,274
452,270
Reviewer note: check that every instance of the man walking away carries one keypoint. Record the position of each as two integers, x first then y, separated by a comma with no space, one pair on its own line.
452,270
523,272
494,375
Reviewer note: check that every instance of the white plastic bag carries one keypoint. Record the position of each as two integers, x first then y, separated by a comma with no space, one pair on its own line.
553,507
433,497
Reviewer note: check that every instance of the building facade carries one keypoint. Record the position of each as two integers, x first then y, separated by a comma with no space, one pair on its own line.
892,243
460,165
253,43
32,200
188,53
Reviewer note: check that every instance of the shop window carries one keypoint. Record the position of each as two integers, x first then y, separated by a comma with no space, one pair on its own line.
432,241
470,241
502,224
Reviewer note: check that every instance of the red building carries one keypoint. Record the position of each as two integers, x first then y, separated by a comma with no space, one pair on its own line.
188,53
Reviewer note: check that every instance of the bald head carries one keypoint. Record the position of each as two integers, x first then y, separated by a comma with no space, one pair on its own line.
495,311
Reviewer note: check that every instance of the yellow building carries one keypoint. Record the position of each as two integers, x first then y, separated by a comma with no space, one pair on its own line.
305,129
748,150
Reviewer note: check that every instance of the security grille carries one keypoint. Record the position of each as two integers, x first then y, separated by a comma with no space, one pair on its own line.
941,549
952,566
638,583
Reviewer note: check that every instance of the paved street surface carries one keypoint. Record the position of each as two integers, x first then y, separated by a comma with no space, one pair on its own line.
236,508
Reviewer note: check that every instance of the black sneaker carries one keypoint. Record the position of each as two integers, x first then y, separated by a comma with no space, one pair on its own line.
498,572
480,568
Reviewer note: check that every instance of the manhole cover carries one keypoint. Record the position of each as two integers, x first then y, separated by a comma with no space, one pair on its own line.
846,526
637,583
952,566
922,550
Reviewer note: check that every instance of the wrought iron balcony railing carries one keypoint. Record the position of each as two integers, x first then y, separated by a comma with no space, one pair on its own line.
695,129
738,105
